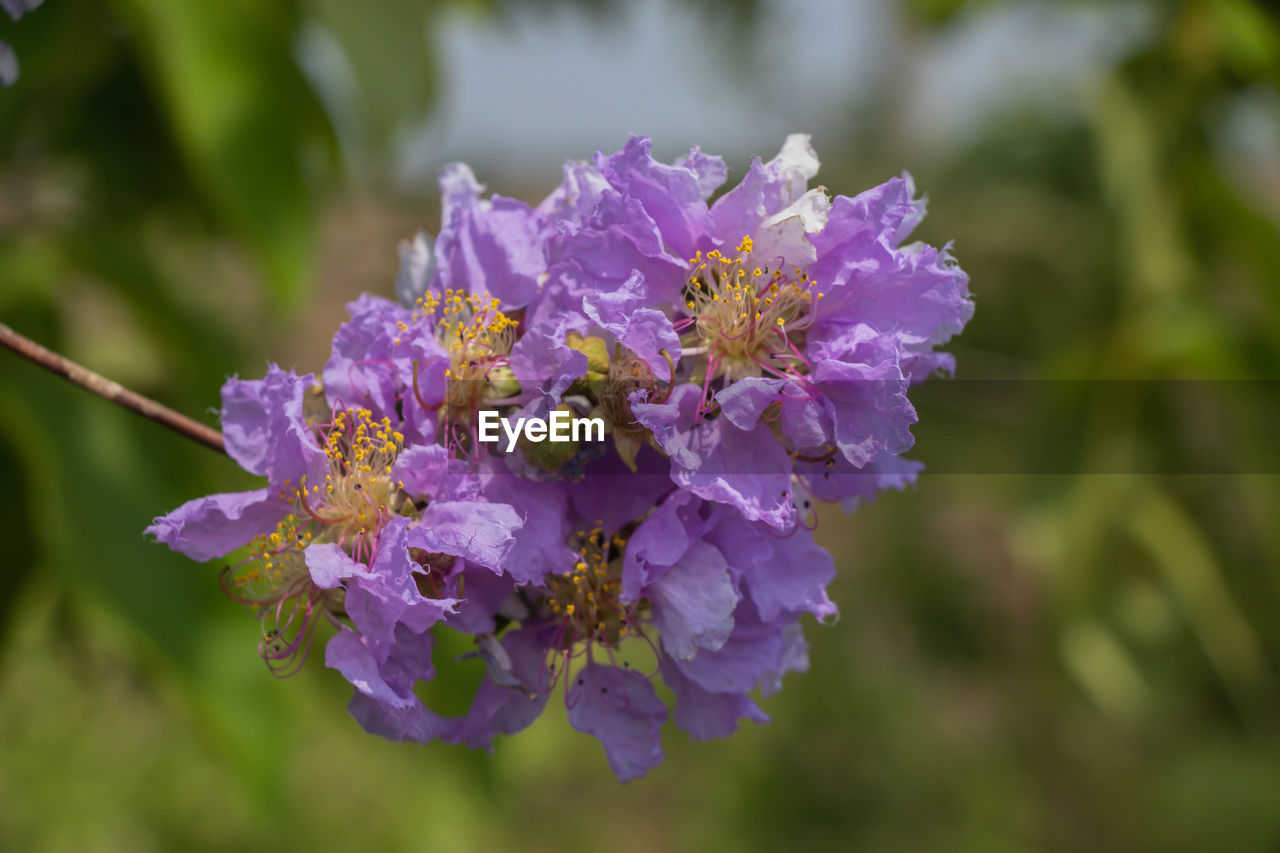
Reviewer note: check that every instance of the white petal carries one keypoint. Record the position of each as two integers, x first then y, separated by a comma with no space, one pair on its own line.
785,234
797,162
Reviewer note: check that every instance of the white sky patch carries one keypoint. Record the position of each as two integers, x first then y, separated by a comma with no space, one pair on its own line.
523,95
551,85
1029,56
1247,144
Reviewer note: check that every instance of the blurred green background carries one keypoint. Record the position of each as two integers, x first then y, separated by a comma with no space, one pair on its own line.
1028,659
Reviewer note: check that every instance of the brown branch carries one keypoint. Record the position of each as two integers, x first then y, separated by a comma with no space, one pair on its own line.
112,391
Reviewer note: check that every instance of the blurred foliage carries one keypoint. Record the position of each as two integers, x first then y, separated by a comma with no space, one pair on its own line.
1029,662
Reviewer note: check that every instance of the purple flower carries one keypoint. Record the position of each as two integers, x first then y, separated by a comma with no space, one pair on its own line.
803,319
747,358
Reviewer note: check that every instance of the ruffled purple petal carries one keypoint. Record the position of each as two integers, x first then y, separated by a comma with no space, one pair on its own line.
746,469
427,471
388,595
360,371
491,245
542,360
786,234
783,574
671,421
415,724
384,703
659,541
619,239
709,170
858,373
766,189
693,602
329,565
576,198
481,596
794,658
916,292
645,331
540,547
672,195
614,494
621,708
744,401
482,533
214,525
806,419
703,714
870,408
375,360
508,709
753,655
263,423
354,656
841,482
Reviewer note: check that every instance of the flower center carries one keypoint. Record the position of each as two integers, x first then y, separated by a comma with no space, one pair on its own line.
359,496
627,373
478,338
585,601
745,311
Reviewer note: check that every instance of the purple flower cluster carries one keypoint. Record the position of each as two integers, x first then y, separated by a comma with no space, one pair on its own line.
748,357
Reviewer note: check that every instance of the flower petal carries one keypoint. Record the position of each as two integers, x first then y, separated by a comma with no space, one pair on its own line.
621,708
211,526
693,602
481,533
506,710
706,715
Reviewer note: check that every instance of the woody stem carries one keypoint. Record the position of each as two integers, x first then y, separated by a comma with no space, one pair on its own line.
113,391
